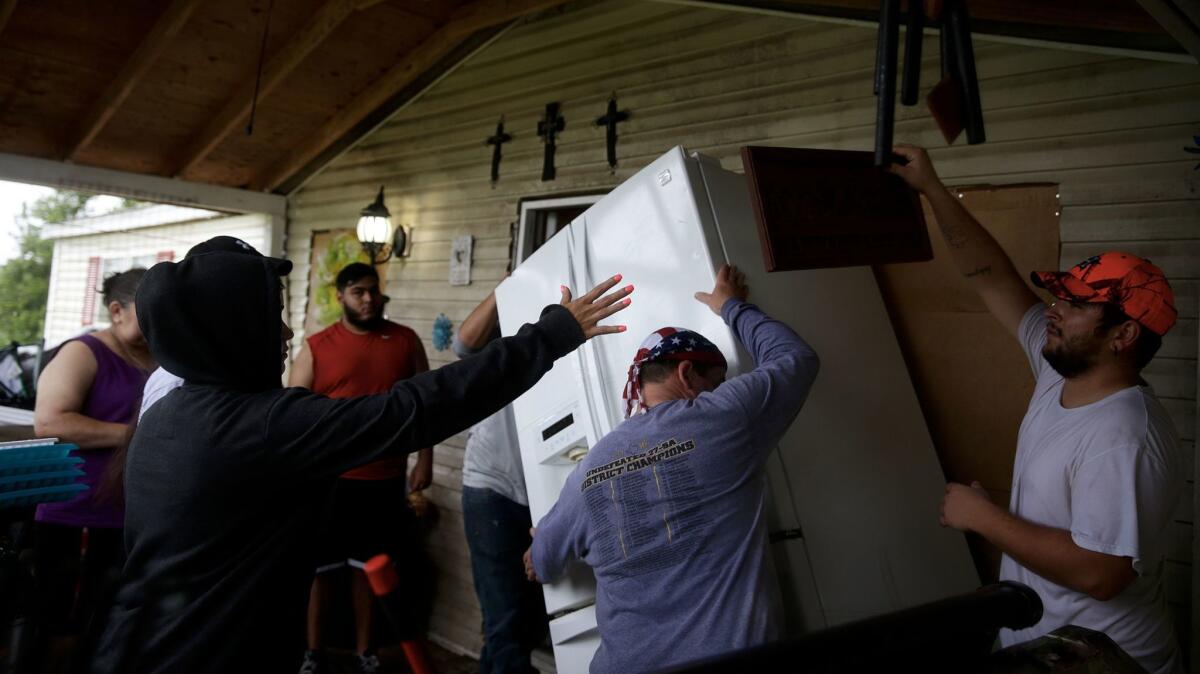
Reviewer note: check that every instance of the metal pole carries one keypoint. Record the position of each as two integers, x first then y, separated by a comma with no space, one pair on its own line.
889,38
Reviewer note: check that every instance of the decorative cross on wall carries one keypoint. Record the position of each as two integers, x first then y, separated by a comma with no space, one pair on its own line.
610,120
496,141
1194,150
548,128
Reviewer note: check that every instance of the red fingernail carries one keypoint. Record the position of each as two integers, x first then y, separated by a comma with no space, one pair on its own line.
628,301
629,288
563,288
617,277
620,328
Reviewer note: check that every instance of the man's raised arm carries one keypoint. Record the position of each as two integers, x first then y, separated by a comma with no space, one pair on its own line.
313,434
976,254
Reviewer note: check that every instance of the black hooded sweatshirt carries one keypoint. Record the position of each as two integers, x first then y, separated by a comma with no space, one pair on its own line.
227,476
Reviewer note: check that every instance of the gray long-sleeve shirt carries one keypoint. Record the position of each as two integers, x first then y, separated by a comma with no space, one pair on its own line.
668,510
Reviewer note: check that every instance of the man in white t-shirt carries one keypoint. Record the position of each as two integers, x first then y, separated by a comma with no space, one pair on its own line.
496,518
158,385
1098,467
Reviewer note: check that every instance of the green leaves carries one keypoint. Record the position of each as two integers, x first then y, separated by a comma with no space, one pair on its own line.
24,282
25,279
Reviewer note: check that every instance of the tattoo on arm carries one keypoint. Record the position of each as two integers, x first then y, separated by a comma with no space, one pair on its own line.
979,271
955,238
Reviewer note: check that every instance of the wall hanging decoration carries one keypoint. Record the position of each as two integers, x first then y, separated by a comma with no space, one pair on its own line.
549,128
500,138
460,260
330,251
914,38
609,121
885,79
442,332
954,101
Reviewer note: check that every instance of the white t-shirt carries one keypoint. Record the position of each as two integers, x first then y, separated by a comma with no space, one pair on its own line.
493,456
158,385
1110,473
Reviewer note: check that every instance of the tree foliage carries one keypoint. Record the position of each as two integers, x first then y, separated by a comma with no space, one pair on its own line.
59,207
25,279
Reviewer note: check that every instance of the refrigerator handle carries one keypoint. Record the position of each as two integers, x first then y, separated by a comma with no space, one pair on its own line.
579,353
701,160
596,344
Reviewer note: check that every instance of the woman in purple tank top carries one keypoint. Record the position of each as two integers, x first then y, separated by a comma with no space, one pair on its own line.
87,395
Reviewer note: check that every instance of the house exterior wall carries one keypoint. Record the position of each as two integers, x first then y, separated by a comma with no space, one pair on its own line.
1108,129
69,270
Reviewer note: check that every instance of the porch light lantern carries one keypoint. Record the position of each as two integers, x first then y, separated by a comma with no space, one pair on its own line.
378,237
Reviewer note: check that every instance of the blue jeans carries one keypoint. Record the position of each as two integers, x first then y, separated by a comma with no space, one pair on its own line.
514,613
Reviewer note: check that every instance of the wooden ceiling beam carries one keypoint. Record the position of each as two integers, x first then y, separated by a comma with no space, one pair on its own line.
1119,27
1123,16
467,20
144,57
237,108
1180,18
63,175
6,10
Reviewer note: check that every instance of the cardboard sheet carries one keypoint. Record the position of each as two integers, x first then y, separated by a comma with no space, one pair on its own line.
971,376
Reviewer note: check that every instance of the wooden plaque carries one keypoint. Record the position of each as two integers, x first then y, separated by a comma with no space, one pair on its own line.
832,208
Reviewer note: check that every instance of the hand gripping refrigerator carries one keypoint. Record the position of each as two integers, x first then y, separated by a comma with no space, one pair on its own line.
854,485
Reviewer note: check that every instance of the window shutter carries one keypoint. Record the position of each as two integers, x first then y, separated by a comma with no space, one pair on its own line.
89,291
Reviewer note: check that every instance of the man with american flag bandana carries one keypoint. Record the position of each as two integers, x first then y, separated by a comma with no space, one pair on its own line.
668,509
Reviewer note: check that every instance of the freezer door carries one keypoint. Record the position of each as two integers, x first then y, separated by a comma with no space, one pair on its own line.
520,299
649,230
554,418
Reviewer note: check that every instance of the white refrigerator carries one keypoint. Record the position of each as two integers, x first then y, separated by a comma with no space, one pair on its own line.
855,483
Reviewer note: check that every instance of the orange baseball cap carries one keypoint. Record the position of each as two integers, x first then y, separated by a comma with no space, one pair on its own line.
1132,283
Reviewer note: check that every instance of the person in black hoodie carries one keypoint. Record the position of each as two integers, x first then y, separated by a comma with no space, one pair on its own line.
226,477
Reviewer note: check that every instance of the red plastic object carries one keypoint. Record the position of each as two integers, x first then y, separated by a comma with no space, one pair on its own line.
381,575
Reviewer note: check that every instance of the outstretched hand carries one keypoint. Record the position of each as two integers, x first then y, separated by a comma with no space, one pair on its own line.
731,282
595,306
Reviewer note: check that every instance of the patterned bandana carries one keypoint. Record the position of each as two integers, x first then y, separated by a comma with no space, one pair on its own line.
676,344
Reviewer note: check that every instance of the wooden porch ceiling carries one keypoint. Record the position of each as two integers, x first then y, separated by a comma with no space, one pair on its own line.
1123,24
166,87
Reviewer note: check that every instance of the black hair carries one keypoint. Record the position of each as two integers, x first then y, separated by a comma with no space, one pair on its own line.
660,370
353,272
1148,341
120,287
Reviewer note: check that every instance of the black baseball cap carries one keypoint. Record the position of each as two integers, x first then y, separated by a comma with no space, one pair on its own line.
225,244
232,244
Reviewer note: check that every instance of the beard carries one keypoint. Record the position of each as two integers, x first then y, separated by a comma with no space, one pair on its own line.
371,323
1071,358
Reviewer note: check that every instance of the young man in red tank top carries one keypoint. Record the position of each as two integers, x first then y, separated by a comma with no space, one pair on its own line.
362,354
